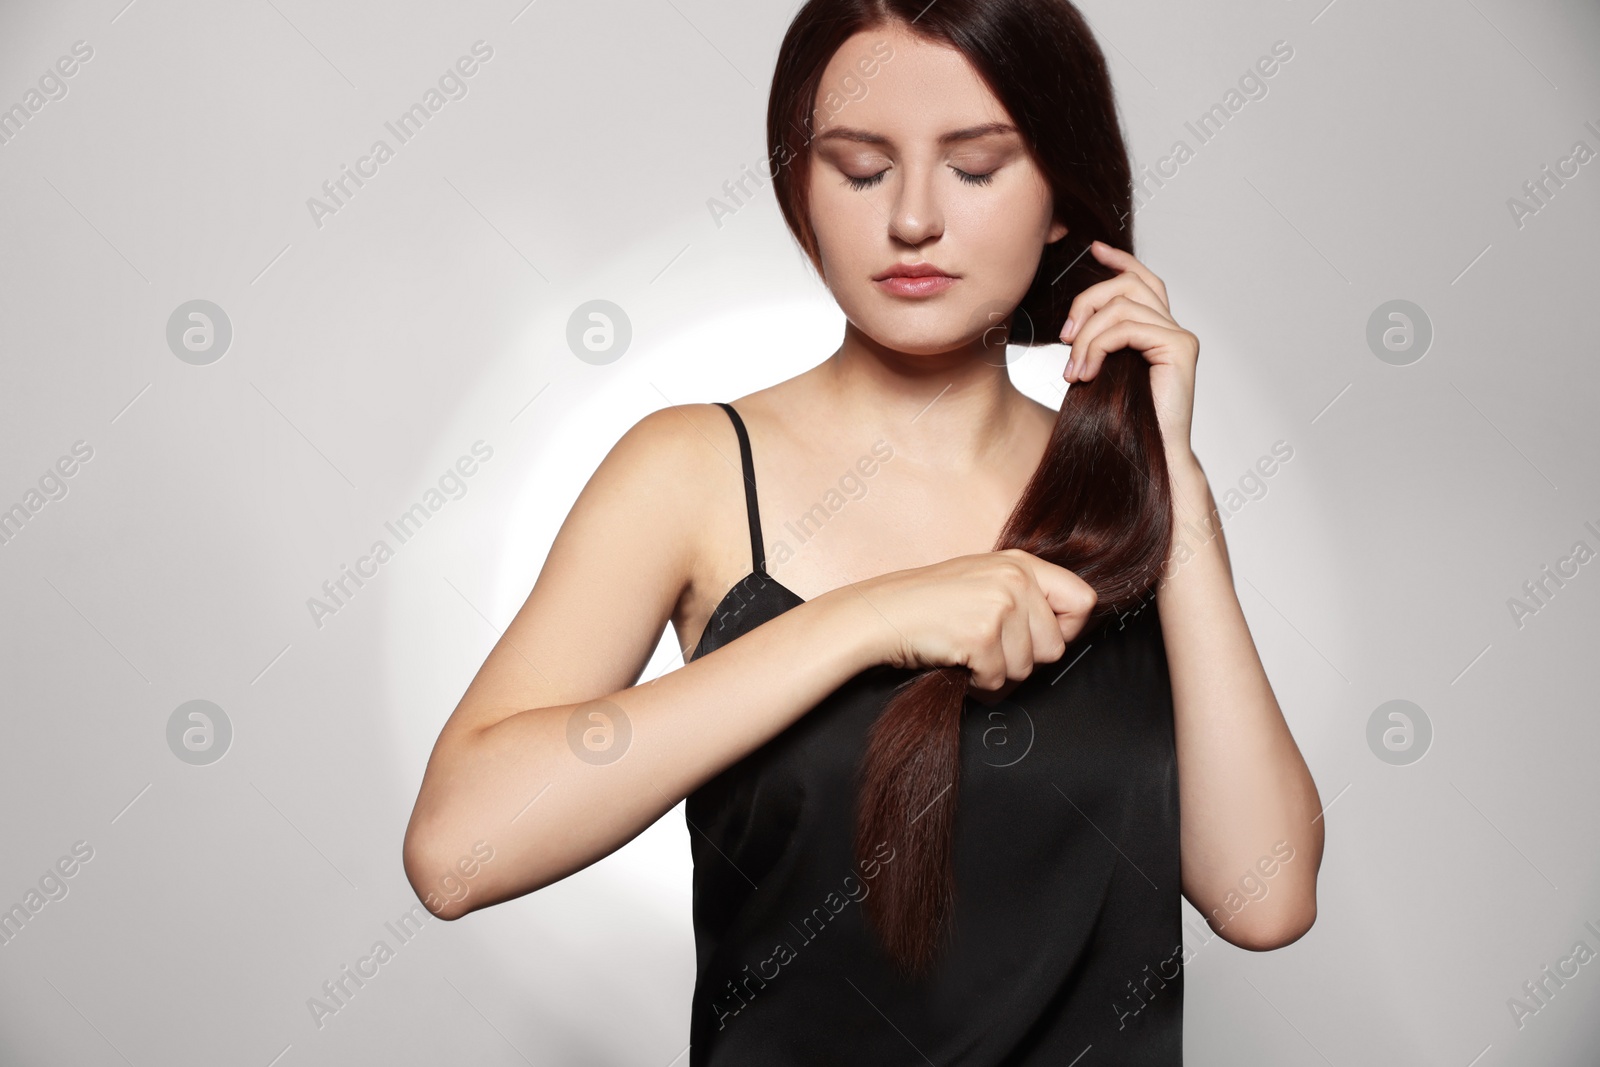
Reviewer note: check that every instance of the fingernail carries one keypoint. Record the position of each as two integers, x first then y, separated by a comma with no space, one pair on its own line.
1066,331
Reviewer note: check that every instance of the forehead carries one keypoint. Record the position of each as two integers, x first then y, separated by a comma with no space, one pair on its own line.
894,83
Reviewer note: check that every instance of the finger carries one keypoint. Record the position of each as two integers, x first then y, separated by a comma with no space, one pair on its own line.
1122,259
991,666
1017,637
1070,598
1002,658
1107,331
1160,345
1045,636
1049,640
986,661
1100,294
989,698
1015,644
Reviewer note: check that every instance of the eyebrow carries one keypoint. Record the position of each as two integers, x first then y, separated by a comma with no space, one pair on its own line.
969,133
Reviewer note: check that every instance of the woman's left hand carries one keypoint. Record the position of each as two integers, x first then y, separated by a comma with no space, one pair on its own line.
1130,311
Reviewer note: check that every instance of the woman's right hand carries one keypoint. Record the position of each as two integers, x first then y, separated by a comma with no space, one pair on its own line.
995,613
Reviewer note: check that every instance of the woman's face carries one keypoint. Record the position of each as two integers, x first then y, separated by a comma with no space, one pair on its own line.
918,163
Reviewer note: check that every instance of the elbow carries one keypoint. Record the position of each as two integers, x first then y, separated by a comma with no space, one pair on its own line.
450,879
1270,932
418,857
446,910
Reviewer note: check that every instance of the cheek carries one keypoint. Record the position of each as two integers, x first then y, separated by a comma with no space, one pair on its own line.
1020,209
1004,233
848,229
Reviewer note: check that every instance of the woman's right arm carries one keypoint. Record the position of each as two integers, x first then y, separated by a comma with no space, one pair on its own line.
509,803
503,779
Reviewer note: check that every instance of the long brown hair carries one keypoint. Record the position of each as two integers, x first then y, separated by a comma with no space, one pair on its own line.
1100,502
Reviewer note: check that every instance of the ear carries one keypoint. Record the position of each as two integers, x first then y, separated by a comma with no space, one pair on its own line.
1057,232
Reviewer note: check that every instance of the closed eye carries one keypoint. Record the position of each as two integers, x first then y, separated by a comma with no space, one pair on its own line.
873,179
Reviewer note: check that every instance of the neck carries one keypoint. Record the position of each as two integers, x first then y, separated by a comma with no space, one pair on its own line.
957,410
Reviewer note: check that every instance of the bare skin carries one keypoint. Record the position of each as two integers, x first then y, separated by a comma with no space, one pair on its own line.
924,168
918,508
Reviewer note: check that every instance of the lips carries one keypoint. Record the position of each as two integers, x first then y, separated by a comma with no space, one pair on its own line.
914,280
911,270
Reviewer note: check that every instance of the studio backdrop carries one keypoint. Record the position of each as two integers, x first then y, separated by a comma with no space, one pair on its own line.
315,319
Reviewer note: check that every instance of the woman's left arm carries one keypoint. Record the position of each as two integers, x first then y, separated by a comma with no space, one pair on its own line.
1250,811
1251,823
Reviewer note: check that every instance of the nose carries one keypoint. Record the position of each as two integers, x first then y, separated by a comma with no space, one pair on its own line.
916,215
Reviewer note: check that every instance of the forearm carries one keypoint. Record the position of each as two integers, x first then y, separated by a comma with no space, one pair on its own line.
1243,784
552,790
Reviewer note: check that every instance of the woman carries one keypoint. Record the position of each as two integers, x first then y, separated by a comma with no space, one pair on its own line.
886,870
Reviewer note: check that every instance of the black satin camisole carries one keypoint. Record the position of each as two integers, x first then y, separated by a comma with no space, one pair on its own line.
1068,948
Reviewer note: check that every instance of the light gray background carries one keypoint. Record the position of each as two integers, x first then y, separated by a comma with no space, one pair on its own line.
431,312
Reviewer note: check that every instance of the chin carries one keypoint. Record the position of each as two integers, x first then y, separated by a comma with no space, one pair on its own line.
934,341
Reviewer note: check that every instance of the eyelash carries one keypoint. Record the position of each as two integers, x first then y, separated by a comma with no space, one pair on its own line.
970,179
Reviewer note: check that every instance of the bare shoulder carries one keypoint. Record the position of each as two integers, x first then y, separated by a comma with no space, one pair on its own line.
680,429
618,566
632,546
669,455
679,467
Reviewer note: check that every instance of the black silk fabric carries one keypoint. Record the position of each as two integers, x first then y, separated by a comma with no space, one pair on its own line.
1067,946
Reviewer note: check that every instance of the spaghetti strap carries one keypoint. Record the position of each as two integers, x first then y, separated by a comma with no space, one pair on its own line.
757,555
